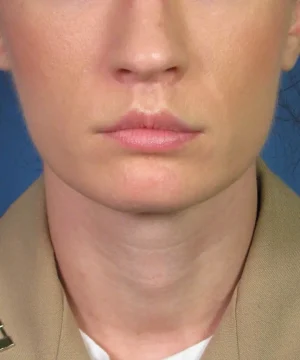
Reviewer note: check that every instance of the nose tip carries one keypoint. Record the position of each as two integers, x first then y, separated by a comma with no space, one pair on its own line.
157,72
152,53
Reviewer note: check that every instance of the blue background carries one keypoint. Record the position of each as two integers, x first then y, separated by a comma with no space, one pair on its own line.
20,164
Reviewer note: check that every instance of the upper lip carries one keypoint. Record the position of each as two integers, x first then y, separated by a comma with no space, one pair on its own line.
155,121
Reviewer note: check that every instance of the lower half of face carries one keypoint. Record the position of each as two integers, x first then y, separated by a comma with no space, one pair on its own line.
74,77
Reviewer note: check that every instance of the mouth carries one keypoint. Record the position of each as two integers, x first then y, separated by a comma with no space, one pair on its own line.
150,132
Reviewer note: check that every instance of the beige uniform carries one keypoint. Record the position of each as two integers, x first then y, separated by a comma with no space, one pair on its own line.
262,321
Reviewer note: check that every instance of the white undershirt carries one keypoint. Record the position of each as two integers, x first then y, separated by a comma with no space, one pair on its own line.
194,352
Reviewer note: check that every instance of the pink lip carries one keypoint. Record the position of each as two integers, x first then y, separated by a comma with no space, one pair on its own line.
150,132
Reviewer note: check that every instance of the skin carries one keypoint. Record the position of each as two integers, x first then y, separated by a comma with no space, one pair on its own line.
150,236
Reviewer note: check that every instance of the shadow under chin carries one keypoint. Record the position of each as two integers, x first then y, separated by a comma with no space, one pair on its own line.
150,204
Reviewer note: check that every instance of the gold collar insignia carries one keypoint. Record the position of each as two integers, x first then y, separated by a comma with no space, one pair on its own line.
5,341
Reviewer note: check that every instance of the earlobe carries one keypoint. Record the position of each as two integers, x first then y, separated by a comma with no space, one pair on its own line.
291,53
292,48
4,58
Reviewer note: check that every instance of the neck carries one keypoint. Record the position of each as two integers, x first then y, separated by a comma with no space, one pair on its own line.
160,275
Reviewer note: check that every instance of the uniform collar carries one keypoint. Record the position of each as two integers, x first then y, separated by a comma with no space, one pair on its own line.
37,316
258,323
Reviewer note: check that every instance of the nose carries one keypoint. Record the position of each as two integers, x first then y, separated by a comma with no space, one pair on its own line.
149,44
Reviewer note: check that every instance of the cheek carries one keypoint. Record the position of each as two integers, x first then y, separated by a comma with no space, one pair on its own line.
259,69
249,71
47,71
236,88
47,59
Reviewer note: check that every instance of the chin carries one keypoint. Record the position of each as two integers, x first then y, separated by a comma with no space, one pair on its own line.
139,199
153,203
138,192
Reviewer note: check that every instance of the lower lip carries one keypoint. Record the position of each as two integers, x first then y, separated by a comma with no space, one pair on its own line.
151,140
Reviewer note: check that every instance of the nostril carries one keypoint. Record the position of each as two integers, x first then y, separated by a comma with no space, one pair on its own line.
128,76
124,72
172,70
125,75
170,75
